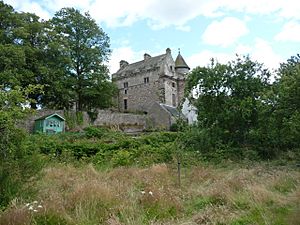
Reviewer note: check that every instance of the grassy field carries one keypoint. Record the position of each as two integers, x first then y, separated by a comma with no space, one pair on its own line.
233,194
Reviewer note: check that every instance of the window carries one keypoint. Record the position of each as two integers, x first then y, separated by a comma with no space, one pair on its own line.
146,80
173,84
125,84
171,68
125,91
125,104
173,100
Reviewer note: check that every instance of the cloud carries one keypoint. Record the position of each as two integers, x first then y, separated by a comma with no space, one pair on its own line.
123,53
29,6
203,58
165,13
225,32
260,51
118,54
264,53
290,32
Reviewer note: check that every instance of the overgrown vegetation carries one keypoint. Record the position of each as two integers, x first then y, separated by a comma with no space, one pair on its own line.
100,176
260,194
241,112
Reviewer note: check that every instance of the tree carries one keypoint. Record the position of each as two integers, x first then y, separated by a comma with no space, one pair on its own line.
87,48
288,107
21,50
17,163
229,98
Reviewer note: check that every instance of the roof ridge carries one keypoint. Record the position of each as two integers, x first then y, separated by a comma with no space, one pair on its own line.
141,62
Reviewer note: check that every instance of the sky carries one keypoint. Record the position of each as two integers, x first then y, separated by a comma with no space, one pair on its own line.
266,30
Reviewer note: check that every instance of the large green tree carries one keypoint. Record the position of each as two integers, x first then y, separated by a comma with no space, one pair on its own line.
288,104
229,97
86,48
22,50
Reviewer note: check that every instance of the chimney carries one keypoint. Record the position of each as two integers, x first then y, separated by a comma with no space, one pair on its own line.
168,51
147,56
123,64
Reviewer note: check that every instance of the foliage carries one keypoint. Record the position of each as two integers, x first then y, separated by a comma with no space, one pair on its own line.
15,163
22,51
229,97
106,148
288,109
97,132
65,54
87,47
242,114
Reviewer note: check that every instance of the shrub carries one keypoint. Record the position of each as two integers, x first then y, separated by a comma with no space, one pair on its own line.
95,132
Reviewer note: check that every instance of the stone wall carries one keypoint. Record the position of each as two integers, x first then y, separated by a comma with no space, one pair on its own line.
124,121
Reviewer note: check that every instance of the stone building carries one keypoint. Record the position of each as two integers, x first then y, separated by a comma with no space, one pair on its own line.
153,86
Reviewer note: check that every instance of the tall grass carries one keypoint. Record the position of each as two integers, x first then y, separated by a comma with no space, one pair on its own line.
130,195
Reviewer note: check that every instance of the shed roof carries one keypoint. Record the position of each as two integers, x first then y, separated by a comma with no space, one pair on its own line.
51,115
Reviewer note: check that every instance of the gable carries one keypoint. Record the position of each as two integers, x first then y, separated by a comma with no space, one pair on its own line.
49,116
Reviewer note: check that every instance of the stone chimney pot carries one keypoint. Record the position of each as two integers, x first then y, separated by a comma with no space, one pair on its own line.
147,56
123,64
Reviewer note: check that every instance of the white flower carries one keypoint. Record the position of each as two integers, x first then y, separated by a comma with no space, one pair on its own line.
30,207
143,192
35,202
27,204
34,210
150,193
40,206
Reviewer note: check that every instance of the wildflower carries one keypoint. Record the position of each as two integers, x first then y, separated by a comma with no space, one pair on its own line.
40,206
30,207
27,204
150,193
143,192
35,202
34,210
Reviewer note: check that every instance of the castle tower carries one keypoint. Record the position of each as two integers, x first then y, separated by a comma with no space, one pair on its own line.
180,65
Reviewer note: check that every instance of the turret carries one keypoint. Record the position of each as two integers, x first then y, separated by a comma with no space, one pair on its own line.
180,65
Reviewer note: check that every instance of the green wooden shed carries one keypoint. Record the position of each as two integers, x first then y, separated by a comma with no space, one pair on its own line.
50,124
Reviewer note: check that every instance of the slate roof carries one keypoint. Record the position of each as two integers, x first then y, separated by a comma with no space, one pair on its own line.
180,63
172,110
144,64
49,116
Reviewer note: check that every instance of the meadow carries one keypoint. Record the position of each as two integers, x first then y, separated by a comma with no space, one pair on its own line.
102,177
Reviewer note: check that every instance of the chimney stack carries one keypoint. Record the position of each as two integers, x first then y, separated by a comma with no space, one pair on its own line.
147,56
168,51
123,64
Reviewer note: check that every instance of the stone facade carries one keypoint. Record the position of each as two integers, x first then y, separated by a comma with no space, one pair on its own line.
148,83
